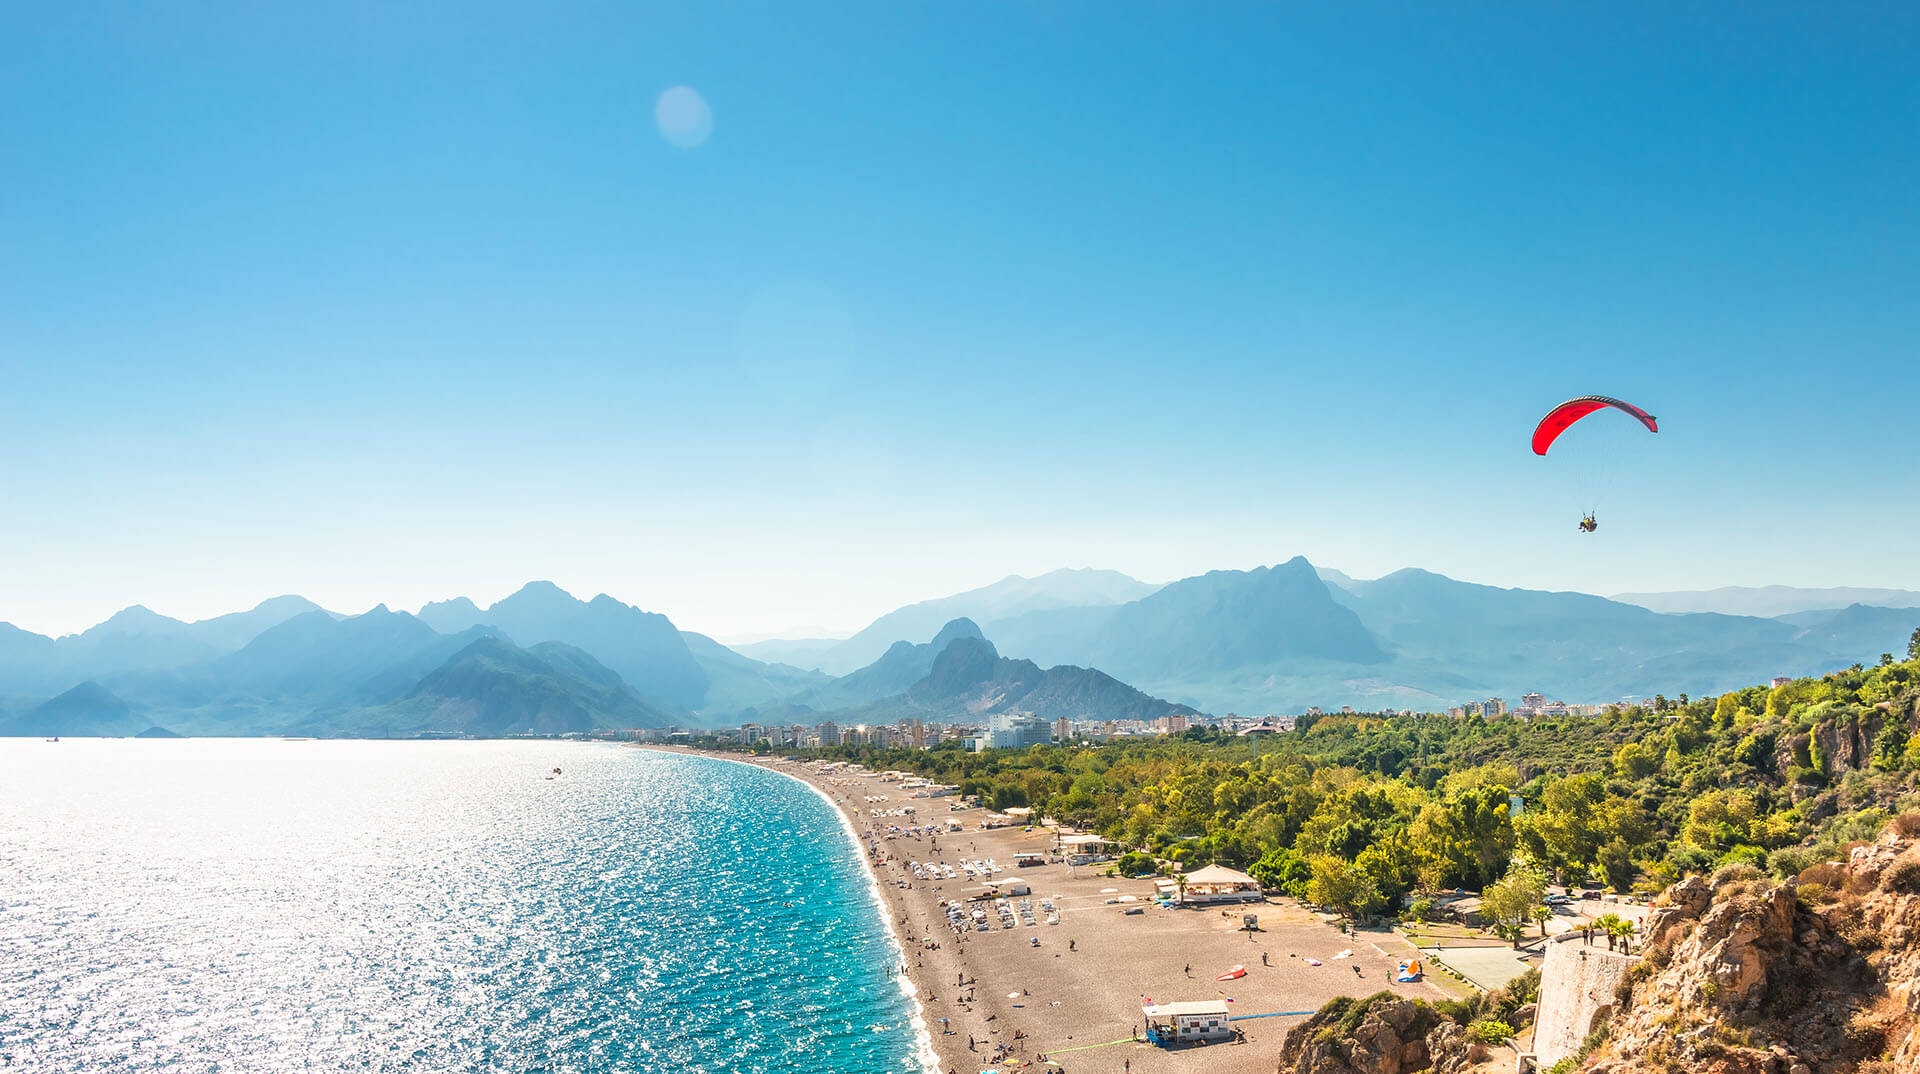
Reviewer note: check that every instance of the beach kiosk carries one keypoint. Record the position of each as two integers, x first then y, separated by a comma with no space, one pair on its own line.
1198,1022
1082,849
1217,883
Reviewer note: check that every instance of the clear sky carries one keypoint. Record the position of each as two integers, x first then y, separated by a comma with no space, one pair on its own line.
763,315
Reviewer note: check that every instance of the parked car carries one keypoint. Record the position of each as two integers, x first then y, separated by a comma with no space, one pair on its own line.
1558,900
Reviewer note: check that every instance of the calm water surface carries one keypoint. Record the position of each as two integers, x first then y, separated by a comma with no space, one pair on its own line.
262,905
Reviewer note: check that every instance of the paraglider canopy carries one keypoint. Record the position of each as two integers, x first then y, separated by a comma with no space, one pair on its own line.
1561,417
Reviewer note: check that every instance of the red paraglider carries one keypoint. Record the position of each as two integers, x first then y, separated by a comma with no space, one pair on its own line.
1561,417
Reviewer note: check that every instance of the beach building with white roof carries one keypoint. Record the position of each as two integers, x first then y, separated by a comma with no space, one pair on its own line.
1217,883
1186,1023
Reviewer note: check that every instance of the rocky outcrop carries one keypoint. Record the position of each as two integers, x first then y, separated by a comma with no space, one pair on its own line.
1752,979
1382,1034
1449,1049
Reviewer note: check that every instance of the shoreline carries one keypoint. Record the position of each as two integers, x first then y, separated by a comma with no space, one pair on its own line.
926,1055
1006,997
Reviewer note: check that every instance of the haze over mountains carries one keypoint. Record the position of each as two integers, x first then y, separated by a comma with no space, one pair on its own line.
1010,608
1771,600
1076,643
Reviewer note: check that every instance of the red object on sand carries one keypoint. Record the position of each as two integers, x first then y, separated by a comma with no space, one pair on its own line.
1233,974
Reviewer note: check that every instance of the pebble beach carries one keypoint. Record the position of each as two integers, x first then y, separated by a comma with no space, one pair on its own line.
1069,995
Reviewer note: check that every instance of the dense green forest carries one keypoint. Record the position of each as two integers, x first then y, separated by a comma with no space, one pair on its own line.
1354,811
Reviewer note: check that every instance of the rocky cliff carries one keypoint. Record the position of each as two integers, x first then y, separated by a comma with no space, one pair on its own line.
1814,976
1382,1034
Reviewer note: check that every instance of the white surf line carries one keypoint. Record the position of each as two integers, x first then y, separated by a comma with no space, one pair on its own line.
923,1036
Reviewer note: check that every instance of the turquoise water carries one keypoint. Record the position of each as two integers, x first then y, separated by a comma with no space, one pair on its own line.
262,905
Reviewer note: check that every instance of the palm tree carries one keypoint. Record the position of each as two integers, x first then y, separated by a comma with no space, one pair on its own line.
1542,915
1610,923
1622,928
1180,882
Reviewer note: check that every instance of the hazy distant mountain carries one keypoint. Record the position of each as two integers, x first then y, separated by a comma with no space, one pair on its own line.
643,647
970,680
26,658
897,669
1282,638
678,670
1271,639
1007,598
87,709
1226,620
1770,601
452,616
1459,641
228,633
132,639
798,652
315,660
736,682
1055,635
493,687
1333,577
1858,629
302,668
383,673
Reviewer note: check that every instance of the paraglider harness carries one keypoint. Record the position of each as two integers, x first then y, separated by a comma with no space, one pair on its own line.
1587,524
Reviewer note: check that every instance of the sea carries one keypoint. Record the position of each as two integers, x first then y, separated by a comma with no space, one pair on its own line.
267,905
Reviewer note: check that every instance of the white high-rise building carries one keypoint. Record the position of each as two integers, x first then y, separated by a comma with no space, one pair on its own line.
1017,730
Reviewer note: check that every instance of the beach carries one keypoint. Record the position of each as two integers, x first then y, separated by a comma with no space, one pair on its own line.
995,998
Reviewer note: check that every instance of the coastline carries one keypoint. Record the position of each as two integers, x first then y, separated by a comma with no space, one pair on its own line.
1068,996
925,1053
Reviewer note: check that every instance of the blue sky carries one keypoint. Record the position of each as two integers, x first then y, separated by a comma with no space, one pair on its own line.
390,302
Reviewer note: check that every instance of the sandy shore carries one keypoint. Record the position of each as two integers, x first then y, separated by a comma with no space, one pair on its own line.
1075,998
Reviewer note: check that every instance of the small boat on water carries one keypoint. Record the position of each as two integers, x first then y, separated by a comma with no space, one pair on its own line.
1233,974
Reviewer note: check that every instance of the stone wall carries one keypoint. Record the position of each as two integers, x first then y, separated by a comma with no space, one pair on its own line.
1577,983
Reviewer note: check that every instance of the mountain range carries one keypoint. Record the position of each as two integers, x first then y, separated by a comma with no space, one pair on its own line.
1770,601
1082,644
1011,608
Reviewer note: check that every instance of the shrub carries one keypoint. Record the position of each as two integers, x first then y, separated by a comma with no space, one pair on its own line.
1525,988
1733,873
1490,1032
1906,825
1902,878
1791,861
1826,874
